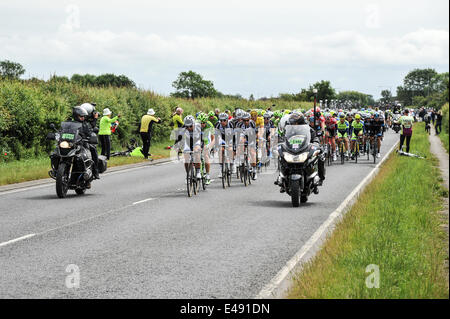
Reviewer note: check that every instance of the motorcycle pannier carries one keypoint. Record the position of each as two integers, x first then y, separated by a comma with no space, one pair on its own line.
102,164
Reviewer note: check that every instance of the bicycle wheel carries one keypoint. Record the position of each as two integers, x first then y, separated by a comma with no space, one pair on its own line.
341,151
329,155
228,171
356,151
368,150
245,173
374,151
189,183
203,179
195,182
223,176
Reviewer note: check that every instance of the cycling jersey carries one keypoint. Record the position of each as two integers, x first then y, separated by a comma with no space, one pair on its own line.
374,127
193,138
342,128
225,133
207,132
357,128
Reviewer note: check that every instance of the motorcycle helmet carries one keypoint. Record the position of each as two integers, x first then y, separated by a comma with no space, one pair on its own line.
297,119
90,108
78,112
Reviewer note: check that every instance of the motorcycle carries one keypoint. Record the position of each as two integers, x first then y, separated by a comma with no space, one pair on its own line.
299,161
71,161
396,124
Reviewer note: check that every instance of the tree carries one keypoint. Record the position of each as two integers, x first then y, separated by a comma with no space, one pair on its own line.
324,91
355,97
192,85
386,96
11,70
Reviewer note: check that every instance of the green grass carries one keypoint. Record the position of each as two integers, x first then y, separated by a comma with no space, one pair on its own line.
395,224
444,138
37,168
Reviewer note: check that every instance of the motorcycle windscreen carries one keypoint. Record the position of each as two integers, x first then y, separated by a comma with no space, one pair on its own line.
298,137
69,131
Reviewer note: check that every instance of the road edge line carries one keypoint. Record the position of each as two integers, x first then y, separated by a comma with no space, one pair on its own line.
280,284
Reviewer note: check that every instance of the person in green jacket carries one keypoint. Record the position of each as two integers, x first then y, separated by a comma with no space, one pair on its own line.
104,132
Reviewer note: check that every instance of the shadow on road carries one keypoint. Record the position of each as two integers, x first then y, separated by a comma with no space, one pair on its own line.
54,196
279,204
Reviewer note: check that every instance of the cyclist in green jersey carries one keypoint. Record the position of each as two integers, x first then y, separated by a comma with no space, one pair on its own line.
212,118
357,132
208,141
342,132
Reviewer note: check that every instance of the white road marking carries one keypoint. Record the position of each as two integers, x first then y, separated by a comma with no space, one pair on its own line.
143,201
280,283
17,239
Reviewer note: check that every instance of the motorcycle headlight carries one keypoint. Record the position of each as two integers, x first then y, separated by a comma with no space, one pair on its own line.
64,144
295,158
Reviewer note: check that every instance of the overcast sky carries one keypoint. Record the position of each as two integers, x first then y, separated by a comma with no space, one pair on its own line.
249,47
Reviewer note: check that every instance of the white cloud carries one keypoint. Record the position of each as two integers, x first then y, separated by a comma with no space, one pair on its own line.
106,47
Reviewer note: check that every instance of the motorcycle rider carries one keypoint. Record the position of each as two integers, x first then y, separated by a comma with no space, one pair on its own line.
299,119
90,124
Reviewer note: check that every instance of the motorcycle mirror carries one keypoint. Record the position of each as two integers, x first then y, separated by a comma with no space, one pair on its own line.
52,126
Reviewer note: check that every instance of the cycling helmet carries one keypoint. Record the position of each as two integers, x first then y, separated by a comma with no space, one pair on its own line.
376,115
211,113
357,117
202,117
287,112
341,115
223,116
253,113
267,115
79,112
189,121
246,116
239,113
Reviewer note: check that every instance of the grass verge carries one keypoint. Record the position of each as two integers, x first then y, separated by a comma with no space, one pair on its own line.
444,138
395,225
37,168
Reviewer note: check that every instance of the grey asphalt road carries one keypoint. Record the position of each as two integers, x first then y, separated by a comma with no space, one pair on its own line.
136,234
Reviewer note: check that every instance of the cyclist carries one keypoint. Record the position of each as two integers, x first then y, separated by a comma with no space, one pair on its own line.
376,128
330,133
208,140
342,132
192,134
224,137
357,133
212,118
269,129
248,137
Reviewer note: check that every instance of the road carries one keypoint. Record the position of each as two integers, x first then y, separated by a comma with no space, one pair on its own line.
136,234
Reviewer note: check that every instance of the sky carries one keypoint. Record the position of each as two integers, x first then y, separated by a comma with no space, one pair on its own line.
248,47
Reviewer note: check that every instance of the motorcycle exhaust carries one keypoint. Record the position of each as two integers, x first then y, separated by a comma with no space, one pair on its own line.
88,175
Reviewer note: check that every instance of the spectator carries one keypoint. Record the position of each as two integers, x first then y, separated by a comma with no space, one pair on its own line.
406,122
146,130
104,132
427,120
438,125
177,120
433,116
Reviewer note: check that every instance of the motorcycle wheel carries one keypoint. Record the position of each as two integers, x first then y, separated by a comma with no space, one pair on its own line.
295,193
62,181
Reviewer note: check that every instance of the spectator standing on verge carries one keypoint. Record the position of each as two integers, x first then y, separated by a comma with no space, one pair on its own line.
433,115
104,132
146,130
438,124
406,122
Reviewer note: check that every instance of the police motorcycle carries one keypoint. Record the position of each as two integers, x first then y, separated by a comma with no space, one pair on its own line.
71,161
299,162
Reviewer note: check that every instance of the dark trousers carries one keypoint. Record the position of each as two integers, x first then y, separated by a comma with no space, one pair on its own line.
438,125
94,154
105,142
146,141
402,140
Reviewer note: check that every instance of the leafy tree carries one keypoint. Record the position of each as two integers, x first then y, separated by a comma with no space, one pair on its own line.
11,70
355,97
192,85
324,91
386,96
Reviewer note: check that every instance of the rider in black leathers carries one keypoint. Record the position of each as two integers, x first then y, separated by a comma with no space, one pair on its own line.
89,126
